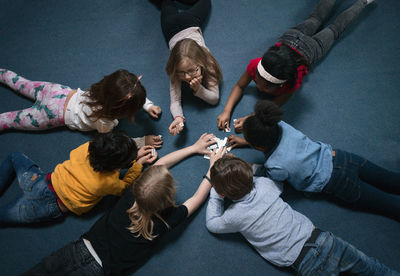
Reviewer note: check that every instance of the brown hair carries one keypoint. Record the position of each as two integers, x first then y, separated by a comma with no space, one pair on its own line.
153,191
232,177
116,96
188,48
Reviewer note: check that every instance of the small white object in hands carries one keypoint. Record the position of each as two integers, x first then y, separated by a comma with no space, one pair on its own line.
181,124
153,152
227,129
220,143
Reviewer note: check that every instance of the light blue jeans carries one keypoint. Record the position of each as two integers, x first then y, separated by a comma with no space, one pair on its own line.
37,202
330,255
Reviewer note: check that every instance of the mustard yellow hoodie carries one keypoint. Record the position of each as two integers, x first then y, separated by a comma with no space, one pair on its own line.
80,187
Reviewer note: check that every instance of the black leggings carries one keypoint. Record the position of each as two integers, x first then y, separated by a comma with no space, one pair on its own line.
174,20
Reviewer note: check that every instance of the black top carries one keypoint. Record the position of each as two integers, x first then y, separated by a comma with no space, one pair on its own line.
119,250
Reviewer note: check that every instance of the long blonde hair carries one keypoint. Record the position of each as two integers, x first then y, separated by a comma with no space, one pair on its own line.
153,191
188,48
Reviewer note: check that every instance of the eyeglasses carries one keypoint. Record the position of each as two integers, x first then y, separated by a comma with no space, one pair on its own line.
191,73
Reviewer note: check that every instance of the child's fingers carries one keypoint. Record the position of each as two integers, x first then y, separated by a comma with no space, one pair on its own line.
157,109
208,137
152,158
221,151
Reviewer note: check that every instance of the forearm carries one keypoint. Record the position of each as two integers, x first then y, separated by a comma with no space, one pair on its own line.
175,95
174,157
234,97
210,95
139,141
215,209
147,105
199,196
132,173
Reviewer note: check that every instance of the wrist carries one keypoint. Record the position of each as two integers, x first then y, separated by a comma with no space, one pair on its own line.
207,178
227,111
179,118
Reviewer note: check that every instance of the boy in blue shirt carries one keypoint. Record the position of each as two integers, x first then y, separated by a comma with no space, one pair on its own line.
278,233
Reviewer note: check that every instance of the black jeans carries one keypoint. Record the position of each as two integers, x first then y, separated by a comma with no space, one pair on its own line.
73,259
363,185
174,20
314,45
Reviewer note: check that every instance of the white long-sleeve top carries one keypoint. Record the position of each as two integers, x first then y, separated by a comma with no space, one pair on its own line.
77,115
210,94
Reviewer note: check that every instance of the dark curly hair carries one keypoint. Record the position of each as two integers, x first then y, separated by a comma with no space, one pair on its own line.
112,150
262,129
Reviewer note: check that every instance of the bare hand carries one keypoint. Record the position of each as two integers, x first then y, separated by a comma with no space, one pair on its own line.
238,123
235,141
223,120
145,155
195,83
153,140
203,142
154,111
176,126
215,155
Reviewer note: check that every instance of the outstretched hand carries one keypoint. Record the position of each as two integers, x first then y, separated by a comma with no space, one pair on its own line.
235,141
217,154
203,142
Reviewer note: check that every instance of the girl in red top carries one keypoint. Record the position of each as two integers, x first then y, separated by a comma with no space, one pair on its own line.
282,68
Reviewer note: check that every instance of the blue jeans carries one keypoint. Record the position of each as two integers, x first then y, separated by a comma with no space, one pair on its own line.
73,259
330,255
314,45
37,202
363,185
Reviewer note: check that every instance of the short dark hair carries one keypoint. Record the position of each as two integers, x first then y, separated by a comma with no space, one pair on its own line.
231,177
262,129
112,150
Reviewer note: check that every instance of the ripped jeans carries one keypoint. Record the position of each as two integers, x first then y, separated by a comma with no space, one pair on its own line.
37,202
362,185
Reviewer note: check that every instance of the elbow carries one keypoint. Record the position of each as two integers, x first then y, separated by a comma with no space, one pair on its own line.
214,100
210,227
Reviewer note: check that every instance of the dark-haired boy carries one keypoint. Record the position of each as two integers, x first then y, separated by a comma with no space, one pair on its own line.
77,184
278,233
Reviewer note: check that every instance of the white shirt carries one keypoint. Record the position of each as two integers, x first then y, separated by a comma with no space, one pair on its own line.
77,115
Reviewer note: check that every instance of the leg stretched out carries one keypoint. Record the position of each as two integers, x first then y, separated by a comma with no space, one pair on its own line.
46,112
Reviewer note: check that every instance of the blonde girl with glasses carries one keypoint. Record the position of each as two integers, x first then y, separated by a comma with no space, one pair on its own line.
190,60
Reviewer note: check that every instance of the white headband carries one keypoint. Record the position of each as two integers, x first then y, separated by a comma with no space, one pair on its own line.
265,75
